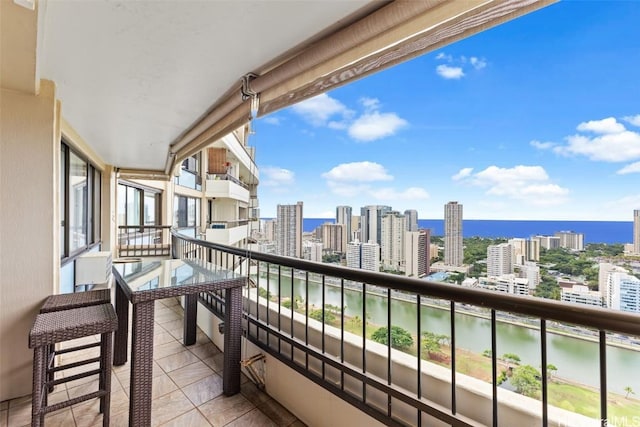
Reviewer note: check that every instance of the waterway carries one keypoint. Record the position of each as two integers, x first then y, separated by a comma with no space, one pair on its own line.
575,358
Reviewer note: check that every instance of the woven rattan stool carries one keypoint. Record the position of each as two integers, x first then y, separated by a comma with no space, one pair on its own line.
66,302
58,326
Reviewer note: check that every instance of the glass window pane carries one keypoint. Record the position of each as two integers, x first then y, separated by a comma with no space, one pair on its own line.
77,202
63,191
150,208
191,212
97,187
133,206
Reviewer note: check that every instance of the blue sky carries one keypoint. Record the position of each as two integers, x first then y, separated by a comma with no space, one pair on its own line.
538,118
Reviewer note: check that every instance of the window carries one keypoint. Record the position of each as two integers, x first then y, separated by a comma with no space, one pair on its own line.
80,194
138,205
186,212
190,173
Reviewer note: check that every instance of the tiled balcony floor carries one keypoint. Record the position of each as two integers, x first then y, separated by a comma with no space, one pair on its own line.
187,388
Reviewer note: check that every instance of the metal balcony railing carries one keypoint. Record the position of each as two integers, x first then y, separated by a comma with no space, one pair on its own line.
226,177
145,240
351,368
227,224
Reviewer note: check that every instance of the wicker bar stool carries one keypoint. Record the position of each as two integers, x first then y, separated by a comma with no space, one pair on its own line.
66,302
58,326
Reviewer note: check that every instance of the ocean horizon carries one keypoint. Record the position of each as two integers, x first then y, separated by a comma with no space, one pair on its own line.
610,232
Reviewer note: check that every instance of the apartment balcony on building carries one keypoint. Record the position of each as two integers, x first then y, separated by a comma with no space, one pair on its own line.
220,185
227,232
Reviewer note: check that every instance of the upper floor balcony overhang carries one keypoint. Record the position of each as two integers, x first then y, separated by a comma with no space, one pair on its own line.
224,186
171,100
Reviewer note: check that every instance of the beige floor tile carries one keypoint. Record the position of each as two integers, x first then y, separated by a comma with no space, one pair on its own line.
19,414
164,350
4,405
277,412
18,401
192,418
162,385
254,418
215,362
61,418
205,350
168,407
297,423
253,394
173,324
88,413
4,415
190,373
167,316
177,333
223,409
163,337
176,361
204,390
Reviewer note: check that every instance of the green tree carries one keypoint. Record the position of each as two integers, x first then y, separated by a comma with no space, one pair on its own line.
526,380
401,339
432,342
550,370
286,303
487,353
548,288
629,391
318,313
511,358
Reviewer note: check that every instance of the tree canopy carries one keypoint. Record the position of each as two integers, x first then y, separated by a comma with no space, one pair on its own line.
401,339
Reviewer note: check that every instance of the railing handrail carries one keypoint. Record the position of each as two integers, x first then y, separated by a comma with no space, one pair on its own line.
592,317
139,227
227,177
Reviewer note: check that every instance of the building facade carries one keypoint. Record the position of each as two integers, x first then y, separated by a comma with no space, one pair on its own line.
392,250
365,256
453,249
412,219
636,231
623,292
417,258
571,240
333,237
371,223
343,216
499,259
289,230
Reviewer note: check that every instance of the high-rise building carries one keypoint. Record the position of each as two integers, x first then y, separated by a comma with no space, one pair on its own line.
343,216
270,229
333,237
365,256
571,240
623,292
532,250
313,251
412,219
417,245
355,228
370,223
530,271
499,260
453,249
393,229
518,250
289,230
548,242
636,231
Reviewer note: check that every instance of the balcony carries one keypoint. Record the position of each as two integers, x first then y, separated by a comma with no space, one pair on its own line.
147,240
187,387
226,232
226,186
311,336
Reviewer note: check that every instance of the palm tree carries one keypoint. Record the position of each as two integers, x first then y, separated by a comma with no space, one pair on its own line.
551,368
629,391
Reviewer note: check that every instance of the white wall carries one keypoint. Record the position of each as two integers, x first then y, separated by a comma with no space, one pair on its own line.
29,225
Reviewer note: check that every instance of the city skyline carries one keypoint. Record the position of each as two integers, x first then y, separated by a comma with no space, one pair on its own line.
516,123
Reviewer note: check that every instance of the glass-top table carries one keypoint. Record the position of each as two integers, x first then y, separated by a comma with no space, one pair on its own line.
140,284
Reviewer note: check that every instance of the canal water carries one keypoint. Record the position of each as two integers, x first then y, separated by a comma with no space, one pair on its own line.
576,359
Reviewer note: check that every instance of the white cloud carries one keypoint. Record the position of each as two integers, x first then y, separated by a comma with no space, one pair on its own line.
478,63
276,177
443,56
272,120
542,145
358,172
528,184
634,120
375,125
631,168
370,104
448,72
612,147
463,173
604,126
319,109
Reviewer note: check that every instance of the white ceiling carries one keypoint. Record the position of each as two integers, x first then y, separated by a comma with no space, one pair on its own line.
134,75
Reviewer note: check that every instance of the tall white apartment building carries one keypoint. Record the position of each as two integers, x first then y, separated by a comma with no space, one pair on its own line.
636,231
530,271
343,216
412,219
518,250
623,292
270,229
289,230
548,242
532,250
604,270
313,251
355,228
571,240
371,222
365,256
333,237
453,249
507,283
499,260
417,260
393,229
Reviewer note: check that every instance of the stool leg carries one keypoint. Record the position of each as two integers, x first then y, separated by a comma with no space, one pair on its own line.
106,355
51,349
39,375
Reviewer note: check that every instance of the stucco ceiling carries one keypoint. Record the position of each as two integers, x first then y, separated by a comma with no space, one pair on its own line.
134,75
